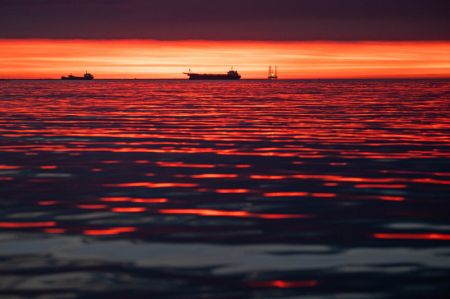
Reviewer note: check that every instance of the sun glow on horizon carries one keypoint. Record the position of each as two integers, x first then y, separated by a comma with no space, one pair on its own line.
35,58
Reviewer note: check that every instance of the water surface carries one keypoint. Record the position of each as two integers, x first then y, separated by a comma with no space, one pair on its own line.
250,189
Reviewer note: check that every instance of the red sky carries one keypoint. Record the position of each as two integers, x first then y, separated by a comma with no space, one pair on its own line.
39,58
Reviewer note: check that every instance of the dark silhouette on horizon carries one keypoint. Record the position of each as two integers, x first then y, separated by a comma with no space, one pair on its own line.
231,75
87,76
273,73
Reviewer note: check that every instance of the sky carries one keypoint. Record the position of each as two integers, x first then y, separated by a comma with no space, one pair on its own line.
168,59
227,19
160,39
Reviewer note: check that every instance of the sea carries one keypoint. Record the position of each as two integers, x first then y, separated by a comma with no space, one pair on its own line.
246,189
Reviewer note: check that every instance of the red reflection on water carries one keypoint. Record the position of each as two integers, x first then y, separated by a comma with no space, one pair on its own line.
9,167
282,284
92,207
296,130
110,162
323,195
27,224
219,213
129,210
233,152
47,202
411,236
380,186
431,181
268,177
153,185
214,176
149,200
132,199
337,178
285,194
48,167
392,198
184,165
115,199
109,231
442,174
242,166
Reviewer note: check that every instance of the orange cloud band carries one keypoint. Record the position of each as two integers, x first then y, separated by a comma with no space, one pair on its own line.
30,58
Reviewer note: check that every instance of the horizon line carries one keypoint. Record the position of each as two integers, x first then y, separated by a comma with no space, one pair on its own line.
227,40
243,79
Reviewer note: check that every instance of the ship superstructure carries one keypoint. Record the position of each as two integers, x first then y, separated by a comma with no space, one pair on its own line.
87,76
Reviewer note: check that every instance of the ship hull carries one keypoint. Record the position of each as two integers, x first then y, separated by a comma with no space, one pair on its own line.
86,76
76,78
212,77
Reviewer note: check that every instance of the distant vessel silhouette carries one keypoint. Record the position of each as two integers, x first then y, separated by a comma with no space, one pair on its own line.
231,75
273,73
87,76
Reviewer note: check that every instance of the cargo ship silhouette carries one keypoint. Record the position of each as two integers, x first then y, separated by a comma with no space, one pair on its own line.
87,76
231,75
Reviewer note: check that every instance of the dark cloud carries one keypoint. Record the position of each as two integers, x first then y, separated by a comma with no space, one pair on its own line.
227,19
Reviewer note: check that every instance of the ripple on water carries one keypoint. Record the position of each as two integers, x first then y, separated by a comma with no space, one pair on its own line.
257,190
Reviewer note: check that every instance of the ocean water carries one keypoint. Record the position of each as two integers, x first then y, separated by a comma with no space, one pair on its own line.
250,189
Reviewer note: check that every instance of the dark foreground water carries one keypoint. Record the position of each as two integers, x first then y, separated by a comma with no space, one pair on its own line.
251,189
